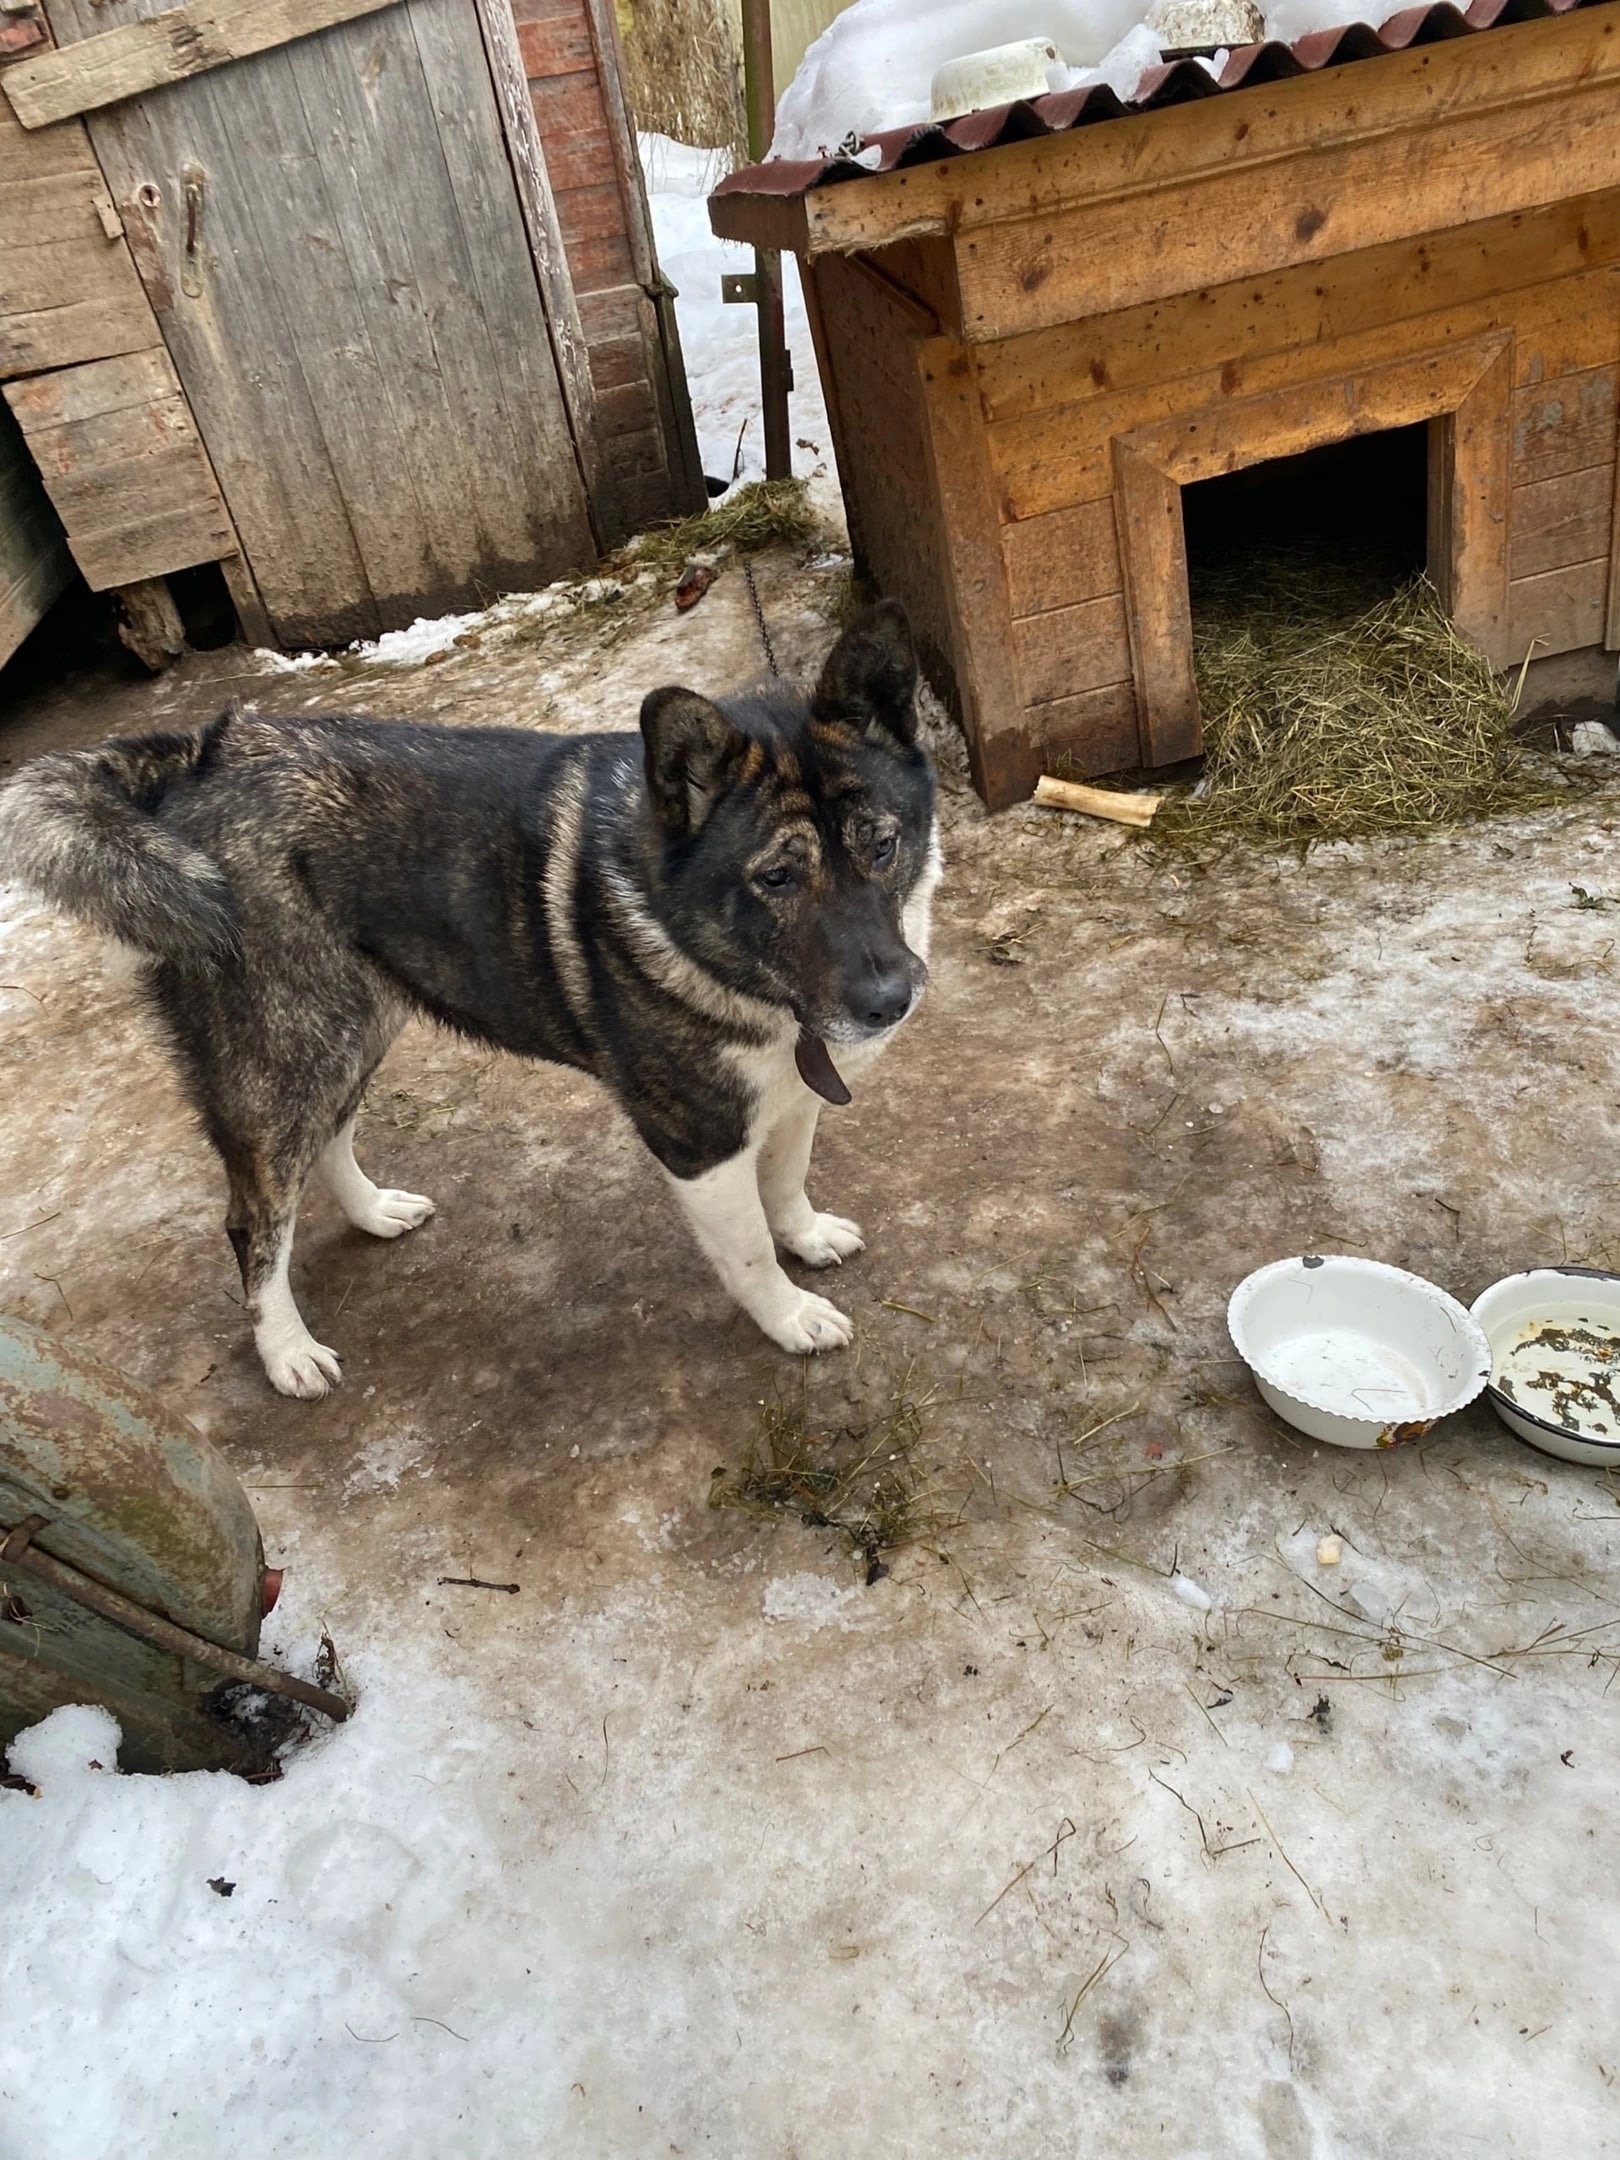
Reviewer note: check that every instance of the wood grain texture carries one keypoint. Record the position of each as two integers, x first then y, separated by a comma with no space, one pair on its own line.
34,562
1086,647
1457,279
1456,169
1092,733
532,177
1562,610
1004,747
358,323
1537,63
1555,523
1051,455
1153,554
118,452
68,289
1564,424
105,67
1063,558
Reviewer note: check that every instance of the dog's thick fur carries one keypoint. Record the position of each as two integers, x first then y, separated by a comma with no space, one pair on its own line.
694,917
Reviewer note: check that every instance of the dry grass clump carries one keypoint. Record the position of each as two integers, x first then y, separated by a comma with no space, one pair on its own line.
760,514
1333,711
684,72
860,1482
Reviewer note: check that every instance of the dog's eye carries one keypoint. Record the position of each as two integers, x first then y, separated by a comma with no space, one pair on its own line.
779,878
885,851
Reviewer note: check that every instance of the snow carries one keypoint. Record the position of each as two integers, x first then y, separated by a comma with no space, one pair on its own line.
720,342
873,68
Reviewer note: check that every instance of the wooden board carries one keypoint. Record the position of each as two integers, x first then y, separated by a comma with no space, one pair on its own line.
1457,279
1565,424
1063,558
1251,221
1562,611
120,63
1053,455
1415,93
117,449
1153,554
34,562
334,246
68,290
1555,523
1004,747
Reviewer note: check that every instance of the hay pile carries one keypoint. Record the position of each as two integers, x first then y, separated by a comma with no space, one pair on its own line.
683,70
761,514
1334,709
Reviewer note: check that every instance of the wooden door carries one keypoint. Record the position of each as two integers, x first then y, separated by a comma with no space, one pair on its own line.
332,239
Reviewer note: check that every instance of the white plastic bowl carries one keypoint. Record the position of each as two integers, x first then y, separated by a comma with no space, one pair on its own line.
1355,1352
1554,1336
999,75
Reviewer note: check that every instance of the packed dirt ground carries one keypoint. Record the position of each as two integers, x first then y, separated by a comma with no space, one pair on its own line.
702,1842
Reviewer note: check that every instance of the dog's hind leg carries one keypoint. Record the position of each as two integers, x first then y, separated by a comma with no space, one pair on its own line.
784,1162
260,1224
378,1209
727,1216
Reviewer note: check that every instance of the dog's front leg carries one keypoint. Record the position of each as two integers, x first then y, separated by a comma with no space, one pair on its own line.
784,1163
728,1220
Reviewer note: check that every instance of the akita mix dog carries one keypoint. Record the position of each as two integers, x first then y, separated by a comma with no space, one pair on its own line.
705,918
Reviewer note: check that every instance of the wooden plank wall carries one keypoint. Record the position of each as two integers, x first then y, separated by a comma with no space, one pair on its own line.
870,361
68,290
571,58
34,561
117,447
126,473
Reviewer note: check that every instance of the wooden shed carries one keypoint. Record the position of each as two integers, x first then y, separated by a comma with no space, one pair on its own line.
1038,326
357,298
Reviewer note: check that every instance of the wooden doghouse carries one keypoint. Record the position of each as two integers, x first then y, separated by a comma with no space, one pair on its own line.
1037,326
357,298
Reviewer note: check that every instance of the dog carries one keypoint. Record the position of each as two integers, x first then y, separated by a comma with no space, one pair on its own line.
720,920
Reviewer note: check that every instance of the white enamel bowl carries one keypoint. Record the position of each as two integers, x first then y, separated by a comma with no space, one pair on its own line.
1355,1352
1554,1335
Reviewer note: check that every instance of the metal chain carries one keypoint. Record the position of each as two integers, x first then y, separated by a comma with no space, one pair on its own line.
759,617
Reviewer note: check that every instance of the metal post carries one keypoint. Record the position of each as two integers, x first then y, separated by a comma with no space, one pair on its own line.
775,367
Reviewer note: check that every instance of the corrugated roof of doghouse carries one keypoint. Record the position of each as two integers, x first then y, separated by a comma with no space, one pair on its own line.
1176,83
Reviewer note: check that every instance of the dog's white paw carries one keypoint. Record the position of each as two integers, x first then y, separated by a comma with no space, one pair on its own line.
391,1214
302,1367
810,1323
825,1241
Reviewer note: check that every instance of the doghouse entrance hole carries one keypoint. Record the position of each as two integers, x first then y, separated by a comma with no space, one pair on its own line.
1357,507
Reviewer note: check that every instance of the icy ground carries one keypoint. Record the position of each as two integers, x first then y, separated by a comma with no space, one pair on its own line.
1114,1821
873,67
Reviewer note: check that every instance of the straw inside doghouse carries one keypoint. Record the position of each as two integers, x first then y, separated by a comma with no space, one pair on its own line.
1335,709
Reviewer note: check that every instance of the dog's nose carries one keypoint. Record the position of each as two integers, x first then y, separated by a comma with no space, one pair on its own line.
888,998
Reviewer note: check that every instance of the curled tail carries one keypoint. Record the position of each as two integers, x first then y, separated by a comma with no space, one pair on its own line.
79,828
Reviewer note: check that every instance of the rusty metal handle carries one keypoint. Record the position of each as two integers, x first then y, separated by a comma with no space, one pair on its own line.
18,1550
193,180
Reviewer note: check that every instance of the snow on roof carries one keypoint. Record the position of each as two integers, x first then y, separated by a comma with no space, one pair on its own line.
1173,83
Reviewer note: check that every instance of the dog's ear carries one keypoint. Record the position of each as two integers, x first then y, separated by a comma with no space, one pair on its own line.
870,679
688,743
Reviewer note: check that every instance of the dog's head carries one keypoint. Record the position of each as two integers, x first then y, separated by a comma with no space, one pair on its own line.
793,829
